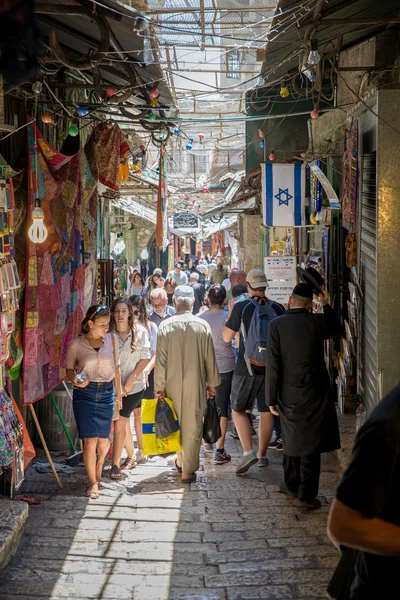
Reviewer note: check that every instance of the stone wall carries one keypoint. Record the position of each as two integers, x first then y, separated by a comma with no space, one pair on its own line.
249,244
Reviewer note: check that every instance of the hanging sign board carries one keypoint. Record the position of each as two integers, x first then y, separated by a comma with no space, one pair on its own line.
280,267
185,221
279,291
329,191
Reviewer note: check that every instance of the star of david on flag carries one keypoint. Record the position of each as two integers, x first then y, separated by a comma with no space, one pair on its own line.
283,195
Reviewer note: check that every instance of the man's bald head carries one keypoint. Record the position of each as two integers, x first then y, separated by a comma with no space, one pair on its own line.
237,276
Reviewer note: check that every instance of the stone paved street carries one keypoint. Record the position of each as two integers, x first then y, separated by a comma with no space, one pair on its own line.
150,538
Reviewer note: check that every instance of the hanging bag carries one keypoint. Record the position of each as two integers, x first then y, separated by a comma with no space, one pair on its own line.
211,425
165,423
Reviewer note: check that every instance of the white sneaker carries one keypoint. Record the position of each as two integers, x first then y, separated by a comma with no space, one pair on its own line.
139,458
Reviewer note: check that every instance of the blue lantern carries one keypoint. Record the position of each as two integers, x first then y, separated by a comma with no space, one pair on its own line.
189,145
82,111
177,131
261,144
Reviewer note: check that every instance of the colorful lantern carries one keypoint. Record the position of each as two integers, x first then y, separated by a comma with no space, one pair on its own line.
46,118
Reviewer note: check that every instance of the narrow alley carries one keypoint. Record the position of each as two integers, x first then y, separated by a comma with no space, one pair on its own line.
227,537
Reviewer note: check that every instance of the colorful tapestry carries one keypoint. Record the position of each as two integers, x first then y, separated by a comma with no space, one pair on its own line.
162,205
104,149
350,180
56,277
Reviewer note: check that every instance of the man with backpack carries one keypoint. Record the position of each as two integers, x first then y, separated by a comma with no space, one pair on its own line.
251,318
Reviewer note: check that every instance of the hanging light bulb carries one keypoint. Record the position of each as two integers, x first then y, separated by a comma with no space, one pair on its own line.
151,116
110,91
144,255
38,231
260,81
82,111
284,92
46,118
314,114
154,102
262,144
73,130
189,145
261,133
271,156
119,244
177,131
37,87
153,93
201,137
314,57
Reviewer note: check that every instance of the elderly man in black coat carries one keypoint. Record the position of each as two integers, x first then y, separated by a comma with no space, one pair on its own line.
298,389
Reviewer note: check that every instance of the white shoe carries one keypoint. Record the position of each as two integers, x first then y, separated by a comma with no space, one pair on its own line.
139,458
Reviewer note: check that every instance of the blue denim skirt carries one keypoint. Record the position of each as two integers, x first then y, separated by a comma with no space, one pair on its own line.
93,409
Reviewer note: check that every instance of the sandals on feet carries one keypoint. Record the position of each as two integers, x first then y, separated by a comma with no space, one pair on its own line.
191,479
115,472
129,464
92,491
179,469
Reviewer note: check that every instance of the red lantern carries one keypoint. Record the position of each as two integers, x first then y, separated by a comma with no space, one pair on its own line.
201,137
110,91
205,188
199,210
212,198
153,93
314,113
142,148
261,133
272,156
191,204
46,118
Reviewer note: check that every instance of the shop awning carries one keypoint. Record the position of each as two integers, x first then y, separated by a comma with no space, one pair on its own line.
226,222
130,205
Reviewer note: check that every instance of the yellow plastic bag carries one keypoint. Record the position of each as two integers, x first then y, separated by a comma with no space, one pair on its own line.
152,445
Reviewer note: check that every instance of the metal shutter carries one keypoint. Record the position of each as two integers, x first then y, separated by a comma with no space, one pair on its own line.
368,360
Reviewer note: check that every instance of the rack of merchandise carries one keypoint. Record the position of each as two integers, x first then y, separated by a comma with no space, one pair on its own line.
11,430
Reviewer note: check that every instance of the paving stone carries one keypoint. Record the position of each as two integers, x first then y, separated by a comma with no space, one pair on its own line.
223,536
244,545
318,551
310,590
266,565
238,580
308,576
270,592
329,561
271,523
278,534
154,536
244,556
196,594
291,542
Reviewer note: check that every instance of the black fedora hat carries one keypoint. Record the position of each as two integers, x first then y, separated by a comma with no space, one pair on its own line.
312,277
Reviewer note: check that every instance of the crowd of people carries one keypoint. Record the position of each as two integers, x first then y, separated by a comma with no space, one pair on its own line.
207,331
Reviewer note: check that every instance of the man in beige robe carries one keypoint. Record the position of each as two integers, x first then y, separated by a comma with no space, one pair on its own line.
185,371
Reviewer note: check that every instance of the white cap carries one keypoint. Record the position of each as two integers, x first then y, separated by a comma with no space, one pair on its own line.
183,291
157,271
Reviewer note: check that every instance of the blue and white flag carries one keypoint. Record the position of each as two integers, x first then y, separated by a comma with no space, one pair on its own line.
283,194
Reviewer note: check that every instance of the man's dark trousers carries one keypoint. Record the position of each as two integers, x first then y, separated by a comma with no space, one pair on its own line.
302,475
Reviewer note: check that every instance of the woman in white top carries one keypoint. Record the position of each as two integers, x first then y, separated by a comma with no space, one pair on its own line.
136,285
134,355
140,313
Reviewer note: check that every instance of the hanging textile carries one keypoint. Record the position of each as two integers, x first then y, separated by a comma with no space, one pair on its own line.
162,205
350,180
283,195
55,283
104,149
11,432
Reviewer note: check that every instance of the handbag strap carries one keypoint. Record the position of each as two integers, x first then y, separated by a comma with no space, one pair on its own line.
116,365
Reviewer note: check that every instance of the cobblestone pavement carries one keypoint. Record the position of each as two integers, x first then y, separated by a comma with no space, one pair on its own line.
150,538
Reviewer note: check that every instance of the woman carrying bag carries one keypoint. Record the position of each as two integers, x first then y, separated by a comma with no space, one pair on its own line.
134,355
93,369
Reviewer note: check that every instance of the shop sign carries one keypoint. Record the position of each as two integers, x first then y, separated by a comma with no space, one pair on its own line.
185,221
279,291
280,267
329,191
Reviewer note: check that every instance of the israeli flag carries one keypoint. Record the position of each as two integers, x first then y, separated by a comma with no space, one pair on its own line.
283,194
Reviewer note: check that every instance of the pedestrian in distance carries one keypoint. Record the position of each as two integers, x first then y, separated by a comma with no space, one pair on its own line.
365,514
136,286
186,371
134,356
159,309
92,367
298,389
251,318
140,315
169,287
225,357
199,292
179,275
219,274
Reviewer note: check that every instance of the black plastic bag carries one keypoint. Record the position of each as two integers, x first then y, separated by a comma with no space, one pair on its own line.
211,426
164,420
344,575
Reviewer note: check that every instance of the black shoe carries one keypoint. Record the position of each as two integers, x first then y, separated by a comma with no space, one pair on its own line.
285,490
276,444
311,504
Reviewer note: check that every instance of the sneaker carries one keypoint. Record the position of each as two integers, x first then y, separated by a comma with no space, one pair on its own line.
247,461
207,447
285,490
139,458
311,504
262,462
221,457
234,434
276,444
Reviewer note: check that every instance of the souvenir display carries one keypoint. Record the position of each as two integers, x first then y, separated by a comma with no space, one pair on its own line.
11,432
